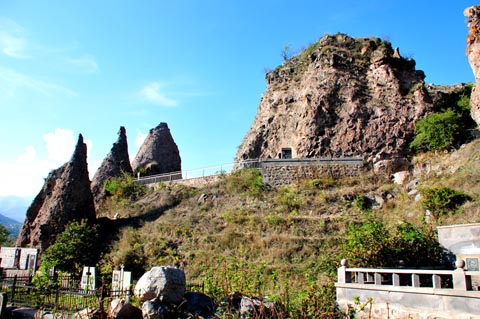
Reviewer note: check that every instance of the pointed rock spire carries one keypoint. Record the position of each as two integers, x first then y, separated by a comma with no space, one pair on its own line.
473,55
158,154
113,165
64,197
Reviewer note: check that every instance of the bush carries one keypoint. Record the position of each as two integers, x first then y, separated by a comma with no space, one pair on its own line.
441,201
362,202
372,244
124,187
437,131
417,247
247,180
367,244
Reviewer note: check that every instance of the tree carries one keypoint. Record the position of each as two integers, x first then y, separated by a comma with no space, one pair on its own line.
4,234
75,247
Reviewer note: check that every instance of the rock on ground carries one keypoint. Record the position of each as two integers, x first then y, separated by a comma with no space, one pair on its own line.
165,283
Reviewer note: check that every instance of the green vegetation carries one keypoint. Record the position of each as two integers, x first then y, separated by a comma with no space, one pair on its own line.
372,244
76,247
447,126
443,200
4,235
362,202
437,131
247,181
124,187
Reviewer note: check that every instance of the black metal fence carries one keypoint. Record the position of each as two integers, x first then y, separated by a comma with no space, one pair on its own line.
63,295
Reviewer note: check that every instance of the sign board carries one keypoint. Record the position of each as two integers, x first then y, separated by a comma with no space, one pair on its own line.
472,264
121,280
88,278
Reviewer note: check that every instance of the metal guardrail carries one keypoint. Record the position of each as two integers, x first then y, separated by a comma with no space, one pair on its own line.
199,172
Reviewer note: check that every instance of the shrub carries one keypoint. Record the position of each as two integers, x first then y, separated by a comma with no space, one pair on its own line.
124,187
437,131
247,180
417,247
366,244
290,197
362,202
372,244
441,201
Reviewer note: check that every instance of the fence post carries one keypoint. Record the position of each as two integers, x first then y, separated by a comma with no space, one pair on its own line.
57,293
13,289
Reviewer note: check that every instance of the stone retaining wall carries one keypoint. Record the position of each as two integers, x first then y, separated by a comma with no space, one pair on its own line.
283,172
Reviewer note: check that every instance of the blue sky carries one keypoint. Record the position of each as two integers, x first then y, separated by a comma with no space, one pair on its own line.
91,66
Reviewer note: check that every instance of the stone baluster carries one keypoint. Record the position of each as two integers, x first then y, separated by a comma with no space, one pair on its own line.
459,278
344,276
437,282
415,280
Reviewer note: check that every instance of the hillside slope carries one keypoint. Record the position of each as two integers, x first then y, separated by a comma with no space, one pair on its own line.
237,235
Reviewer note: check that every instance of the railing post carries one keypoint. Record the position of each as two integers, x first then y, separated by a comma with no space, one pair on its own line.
57,293
395,279
459,278
437,282
415,280
342,275
378,279
13,289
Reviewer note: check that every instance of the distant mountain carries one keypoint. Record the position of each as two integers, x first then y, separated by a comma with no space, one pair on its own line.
12,225
14,207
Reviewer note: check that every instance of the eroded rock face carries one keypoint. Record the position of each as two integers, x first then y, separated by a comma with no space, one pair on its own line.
158,154
473,54
65,197
340,97
113,165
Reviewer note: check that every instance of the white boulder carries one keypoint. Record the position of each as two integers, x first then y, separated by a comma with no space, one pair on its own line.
166,284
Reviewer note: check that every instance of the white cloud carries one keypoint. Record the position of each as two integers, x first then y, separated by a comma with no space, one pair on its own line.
25,175
93,165
140,138
12,81
152,93
13,42
60,145
138,142
84,64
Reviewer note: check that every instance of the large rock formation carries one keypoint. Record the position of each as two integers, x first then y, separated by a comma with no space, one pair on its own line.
65,196
113,165
158,154
473,54
340,97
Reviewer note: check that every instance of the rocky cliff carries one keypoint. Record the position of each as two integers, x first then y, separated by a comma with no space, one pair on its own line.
113,165
473,54
340,97
158,154
65,197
